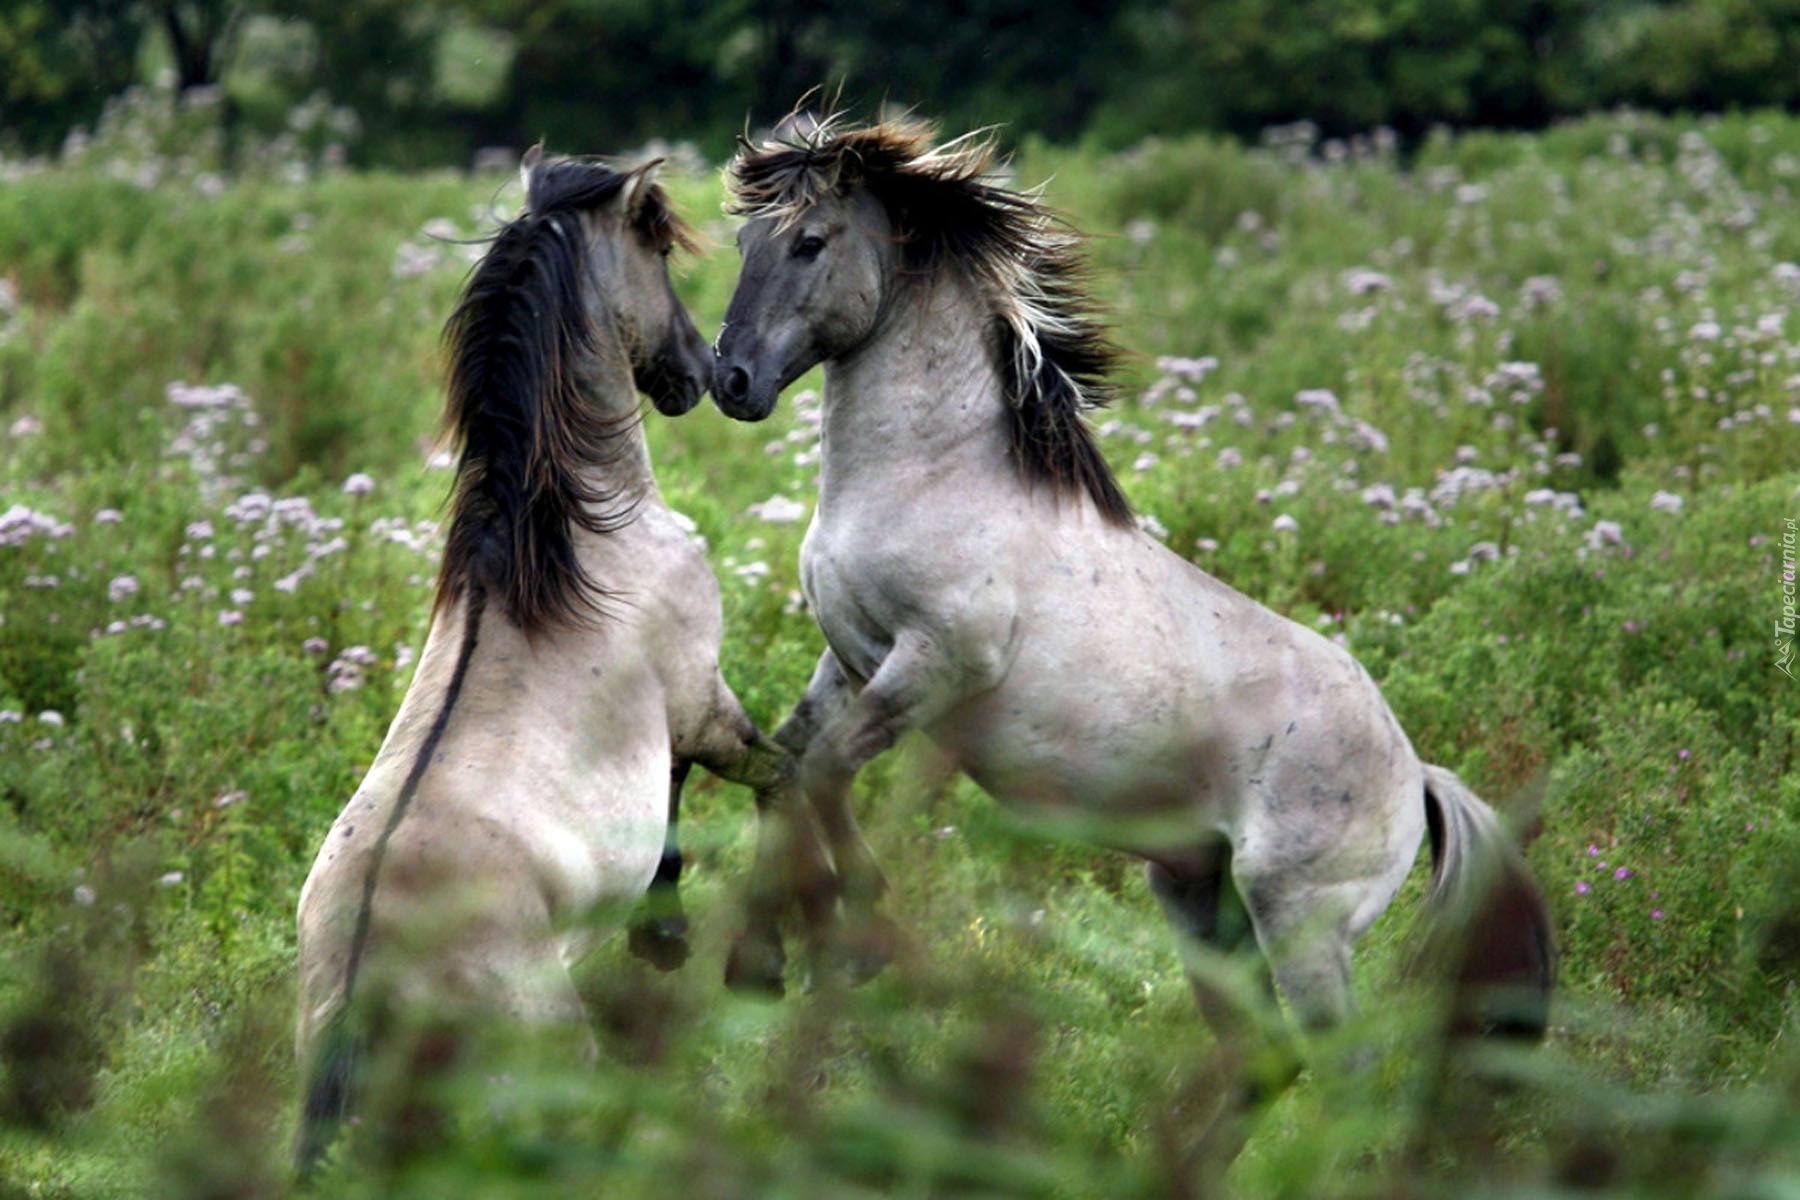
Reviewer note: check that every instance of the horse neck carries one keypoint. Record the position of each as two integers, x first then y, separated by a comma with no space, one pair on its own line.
605,383
922,392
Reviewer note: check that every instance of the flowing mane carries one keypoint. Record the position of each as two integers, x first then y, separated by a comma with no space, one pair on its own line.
1054,355
517,407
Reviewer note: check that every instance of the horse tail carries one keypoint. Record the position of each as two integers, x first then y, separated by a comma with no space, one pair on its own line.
330,1086
335,1067
1505,964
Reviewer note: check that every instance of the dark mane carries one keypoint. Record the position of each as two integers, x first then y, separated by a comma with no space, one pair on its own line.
516,344
1054,355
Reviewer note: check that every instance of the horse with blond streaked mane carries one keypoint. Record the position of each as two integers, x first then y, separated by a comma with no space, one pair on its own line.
977,574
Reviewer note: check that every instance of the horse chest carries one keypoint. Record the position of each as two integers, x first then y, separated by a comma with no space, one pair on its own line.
852,612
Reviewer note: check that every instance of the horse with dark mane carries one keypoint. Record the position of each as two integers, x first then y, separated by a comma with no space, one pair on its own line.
976,573
524,799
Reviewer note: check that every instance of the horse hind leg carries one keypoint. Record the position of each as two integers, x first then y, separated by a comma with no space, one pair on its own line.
1201,905
1233,988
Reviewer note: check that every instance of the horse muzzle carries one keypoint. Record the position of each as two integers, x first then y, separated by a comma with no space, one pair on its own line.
740,394
673,387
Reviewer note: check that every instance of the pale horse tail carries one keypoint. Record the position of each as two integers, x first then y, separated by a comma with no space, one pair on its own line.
1503,957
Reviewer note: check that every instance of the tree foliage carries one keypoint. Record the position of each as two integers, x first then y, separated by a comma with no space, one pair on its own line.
433,80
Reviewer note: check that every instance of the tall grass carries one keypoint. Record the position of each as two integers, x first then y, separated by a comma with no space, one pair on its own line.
1518,421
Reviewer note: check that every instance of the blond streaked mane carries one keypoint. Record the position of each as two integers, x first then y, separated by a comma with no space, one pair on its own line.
1053,352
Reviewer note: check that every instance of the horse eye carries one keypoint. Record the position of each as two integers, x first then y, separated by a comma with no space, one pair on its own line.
809,246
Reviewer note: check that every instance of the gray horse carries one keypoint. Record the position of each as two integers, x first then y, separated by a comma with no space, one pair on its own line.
524,798
977,574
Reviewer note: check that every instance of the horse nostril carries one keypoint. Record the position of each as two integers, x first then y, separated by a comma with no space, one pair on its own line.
737,383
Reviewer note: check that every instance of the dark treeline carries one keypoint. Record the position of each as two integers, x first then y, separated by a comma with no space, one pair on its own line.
431,81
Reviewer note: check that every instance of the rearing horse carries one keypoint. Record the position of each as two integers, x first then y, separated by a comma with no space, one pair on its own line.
525,795
977,574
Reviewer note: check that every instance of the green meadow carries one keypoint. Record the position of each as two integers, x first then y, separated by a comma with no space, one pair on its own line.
1515,418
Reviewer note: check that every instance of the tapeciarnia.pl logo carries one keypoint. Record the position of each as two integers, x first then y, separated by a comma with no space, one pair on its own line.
1784,624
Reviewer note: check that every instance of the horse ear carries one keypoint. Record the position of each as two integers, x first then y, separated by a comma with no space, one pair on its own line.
637,187
527,165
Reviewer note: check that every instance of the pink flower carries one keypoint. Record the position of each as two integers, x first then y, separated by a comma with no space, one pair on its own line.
1582,888
1656,914
1622,873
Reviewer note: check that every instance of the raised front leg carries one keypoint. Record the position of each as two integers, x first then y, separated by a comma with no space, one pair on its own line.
790,867
836,730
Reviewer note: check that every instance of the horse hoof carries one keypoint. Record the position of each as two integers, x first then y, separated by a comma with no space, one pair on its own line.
755,968
661,942
868,952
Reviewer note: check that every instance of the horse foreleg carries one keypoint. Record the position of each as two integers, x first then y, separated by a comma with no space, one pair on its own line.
911,687
790,865
659,931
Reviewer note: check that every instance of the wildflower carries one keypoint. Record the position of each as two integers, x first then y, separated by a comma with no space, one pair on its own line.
1284,524
1144,462
250,508
1622,873
1605,533
199,531
108,516
1323,399
1582,887
84,896
358,484
1155,528
229,799
1194,370
1229,458
230,616
1475,308
1656,914
778,510
1360,281
1540,290
315,645
1380,495
1206,545
121,587
290,582
1667,502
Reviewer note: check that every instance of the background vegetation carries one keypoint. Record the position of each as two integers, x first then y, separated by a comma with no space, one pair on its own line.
1518,420
433,81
